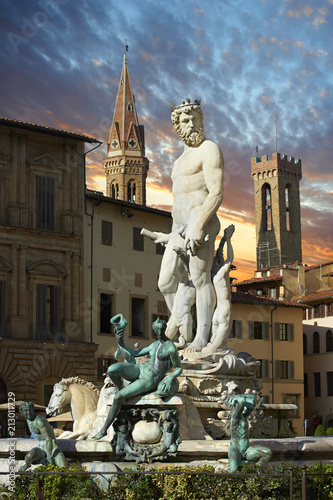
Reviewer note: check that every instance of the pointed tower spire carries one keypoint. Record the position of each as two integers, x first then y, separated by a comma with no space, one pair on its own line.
126,166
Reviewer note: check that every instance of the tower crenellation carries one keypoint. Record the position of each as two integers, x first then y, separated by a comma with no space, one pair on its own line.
277,208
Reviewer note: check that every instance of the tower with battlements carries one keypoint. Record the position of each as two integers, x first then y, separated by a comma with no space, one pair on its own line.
277,209
126,166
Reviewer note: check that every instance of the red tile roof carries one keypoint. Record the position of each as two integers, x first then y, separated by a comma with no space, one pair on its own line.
316,266
275,277
259,300
314,297
9,122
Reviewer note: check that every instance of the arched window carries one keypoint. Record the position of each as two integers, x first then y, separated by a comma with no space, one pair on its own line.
115,191
329,341
315,343
305,344
131,188
130,106
267,206
287,204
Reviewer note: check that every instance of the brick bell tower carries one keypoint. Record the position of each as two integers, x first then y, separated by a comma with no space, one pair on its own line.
126,166
277,209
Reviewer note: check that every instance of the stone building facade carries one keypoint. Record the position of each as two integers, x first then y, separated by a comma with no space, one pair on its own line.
121,272
41,260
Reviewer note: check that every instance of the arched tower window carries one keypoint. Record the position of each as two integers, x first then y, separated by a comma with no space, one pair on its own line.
115,191
130,106
315,343
131,188
329,341
305,344
287,205
267,207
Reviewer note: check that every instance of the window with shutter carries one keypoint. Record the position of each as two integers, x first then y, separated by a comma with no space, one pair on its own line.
45,202
236,329
106,232
48,320
138,317
290,332
138,240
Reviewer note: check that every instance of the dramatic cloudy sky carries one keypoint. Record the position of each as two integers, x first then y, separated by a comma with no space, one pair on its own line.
247,60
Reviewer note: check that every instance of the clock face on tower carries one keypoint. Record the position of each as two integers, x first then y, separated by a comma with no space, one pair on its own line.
132,143
114,143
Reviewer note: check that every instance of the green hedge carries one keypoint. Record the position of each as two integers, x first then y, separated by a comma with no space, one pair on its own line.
184,486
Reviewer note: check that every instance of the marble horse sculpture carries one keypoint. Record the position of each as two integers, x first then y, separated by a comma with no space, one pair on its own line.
82,396
143,378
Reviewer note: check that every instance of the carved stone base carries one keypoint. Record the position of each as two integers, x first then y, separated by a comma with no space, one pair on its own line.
146,434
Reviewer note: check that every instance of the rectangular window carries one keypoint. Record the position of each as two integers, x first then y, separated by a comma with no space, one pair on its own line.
284,369
105,313
138,280
45,202
138,239
329,309
138,317
48,312
259,291
284,331
106,274
316,312
103,364
329,378
306,387
236,329
258,330
272,292
316,385
106,232
263,369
